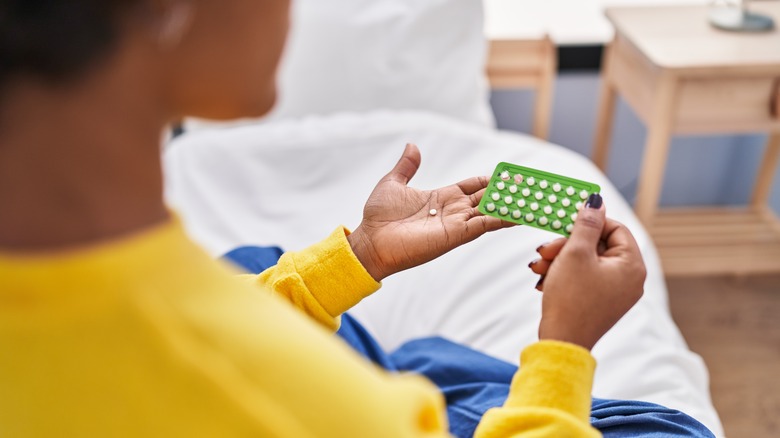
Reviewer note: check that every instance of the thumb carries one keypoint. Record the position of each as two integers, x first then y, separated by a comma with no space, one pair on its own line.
407,166
590,223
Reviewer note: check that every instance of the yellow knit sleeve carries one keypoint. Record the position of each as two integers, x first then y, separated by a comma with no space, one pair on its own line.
549,397
324,280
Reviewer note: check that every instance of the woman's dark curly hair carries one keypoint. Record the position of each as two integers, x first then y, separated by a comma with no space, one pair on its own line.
56,40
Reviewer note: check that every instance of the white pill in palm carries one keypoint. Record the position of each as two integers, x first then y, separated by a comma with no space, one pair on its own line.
526,192
543,221
565,202
433,212
556,187
539,196
513,189
547,209
503,211
543,184
570,191
557,224
496,196
500,185
508,199
530,217
584,194
534,206
561,213
553,199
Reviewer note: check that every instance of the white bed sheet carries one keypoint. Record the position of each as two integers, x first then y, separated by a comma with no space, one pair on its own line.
291,182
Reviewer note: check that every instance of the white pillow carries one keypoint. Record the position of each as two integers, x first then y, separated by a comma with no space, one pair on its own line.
359,55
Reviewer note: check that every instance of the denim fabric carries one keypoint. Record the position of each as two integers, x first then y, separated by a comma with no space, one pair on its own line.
254,259
473,382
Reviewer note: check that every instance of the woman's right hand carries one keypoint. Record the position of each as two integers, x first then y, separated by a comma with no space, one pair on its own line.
589,280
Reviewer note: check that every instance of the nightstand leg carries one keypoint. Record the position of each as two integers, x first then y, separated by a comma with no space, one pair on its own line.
605,117
659,137
766,172
544,93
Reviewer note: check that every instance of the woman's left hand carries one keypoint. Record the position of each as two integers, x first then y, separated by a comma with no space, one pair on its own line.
400,228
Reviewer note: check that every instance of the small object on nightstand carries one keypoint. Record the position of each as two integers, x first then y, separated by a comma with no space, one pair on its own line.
740,19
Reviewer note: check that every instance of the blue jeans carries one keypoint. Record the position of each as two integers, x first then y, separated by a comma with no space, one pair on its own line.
473,382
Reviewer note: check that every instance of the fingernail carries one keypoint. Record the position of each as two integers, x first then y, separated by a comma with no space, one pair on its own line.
539,283
540,247
533,263
594,201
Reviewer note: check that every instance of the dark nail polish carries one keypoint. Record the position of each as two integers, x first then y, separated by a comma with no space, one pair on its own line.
595,201
539,283
540,247
530,265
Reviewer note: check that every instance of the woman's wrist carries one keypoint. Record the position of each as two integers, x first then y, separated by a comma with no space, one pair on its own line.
550,330
363,249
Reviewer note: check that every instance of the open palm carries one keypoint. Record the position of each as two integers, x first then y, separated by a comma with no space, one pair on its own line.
400,228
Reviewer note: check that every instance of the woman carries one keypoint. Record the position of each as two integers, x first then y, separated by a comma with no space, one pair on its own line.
113,323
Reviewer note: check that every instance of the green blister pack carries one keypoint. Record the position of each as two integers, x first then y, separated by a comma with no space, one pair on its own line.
535,198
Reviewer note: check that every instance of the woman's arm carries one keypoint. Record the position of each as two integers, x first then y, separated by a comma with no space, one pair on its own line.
402,228
549,396
324,280
589,282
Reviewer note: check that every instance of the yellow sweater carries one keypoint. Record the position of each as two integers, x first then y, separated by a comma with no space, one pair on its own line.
148,336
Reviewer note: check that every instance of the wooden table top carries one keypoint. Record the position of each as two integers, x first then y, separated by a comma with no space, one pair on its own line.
681,37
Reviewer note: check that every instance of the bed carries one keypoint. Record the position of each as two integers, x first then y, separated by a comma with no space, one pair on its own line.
291,179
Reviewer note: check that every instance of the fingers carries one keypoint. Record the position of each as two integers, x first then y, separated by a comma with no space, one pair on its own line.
550,250
473,185
479,225
618,240
589,226
477,197
407,166
540,266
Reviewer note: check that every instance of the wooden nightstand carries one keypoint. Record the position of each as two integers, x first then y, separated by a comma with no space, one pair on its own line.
681,76
526,63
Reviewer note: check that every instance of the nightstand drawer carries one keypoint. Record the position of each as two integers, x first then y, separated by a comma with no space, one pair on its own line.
727,105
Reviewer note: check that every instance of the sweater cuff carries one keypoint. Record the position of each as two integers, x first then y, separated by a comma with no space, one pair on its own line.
334,275
555,375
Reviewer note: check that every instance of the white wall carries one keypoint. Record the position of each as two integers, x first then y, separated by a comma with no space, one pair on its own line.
701,170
